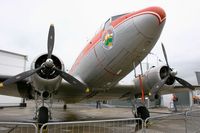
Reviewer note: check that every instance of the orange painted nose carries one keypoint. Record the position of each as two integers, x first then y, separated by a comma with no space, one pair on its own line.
150,21
159,12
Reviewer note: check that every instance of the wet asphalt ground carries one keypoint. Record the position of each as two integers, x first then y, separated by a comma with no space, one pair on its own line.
88,112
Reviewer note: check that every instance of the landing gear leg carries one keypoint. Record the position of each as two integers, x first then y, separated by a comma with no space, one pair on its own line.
65,106
43,108
143,113
139,111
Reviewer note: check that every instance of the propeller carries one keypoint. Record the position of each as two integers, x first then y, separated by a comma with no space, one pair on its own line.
73,81
50,43
20,76
165,54
171,74
48,66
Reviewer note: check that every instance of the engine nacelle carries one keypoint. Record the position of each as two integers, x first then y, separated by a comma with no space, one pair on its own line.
151,77
47,79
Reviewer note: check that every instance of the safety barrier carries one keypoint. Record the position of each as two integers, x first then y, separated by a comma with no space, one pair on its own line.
166,123
17,127
187,122
193,121
96,126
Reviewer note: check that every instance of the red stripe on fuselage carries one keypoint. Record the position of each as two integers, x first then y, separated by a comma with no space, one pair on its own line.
89,46
157,11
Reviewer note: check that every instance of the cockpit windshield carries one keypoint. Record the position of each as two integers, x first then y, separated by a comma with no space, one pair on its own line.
107,23
117,16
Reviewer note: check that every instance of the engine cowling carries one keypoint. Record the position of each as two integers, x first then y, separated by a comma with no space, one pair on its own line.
151,77
47,79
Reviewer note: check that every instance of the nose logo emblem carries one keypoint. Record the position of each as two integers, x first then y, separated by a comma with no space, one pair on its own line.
107,39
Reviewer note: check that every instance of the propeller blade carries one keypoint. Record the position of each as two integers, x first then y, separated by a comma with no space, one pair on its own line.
50,43
158,85
20,76
73,81
184,83
165,54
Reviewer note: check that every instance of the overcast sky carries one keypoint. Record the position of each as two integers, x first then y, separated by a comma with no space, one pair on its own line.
24,27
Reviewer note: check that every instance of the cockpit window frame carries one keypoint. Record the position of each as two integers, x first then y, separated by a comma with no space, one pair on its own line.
107,23
113,18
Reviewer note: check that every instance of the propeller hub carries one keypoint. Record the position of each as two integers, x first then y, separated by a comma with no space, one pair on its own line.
173,72
49,63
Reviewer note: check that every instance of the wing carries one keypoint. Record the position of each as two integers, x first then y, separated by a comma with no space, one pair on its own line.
177,89
126,91
19,89
69,94
119,91
24,89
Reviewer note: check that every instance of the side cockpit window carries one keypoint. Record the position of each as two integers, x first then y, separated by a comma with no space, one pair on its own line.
104,26
107,24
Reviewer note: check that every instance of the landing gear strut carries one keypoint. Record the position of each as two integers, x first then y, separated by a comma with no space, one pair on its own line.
139,111
143,113
43,108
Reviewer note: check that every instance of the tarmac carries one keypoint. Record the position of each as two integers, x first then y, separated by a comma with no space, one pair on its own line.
74,112
88,112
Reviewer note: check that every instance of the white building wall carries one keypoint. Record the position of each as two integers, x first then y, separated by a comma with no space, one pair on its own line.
10,65
166,100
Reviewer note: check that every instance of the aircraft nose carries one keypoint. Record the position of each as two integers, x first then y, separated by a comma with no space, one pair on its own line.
150,21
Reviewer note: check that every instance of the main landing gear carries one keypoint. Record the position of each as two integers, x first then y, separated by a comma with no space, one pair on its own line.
143,113
43,116
43,108
65,106
139,111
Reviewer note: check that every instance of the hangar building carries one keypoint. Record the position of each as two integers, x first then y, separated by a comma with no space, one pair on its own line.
11,64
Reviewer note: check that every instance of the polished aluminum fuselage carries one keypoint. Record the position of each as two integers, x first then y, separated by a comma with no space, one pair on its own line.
133,39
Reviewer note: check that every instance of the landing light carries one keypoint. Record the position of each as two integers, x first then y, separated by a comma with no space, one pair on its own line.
87,90
1,85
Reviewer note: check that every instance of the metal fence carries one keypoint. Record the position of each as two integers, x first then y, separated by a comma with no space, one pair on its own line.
17,127
187,122
97,126
193,121
166,123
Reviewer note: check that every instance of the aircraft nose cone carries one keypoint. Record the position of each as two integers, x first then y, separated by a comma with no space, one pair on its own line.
150,21
159,12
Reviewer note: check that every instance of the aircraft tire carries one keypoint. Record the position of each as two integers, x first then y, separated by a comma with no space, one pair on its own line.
43,115
143,113
65,106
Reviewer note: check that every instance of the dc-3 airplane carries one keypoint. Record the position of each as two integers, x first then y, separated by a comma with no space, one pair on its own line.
119,46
